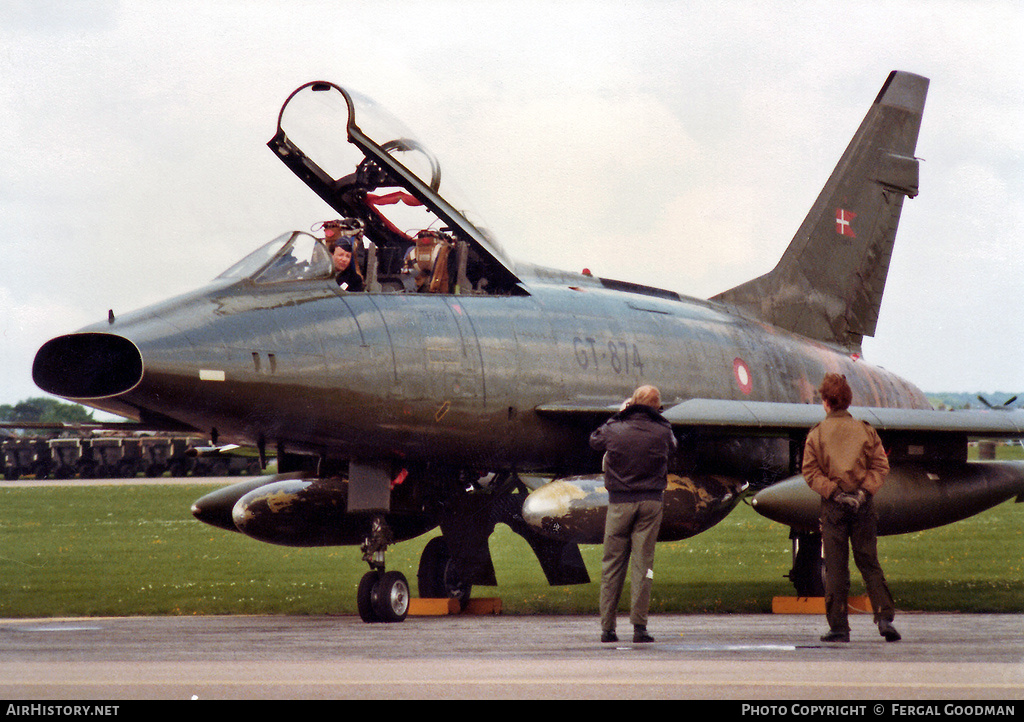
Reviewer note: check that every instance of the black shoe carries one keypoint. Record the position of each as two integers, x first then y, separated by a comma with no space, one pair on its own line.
837,637
609,637
889,632
640,635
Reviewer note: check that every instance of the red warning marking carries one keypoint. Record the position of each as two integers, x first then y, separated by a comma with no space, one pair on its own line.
400,478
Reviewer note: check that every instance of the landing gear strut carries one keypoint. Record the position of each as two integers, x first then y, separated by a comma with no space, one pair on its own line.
382,596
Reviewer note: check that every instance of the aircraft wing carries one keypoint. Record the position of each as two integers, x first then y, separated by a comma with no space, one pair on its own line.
783,419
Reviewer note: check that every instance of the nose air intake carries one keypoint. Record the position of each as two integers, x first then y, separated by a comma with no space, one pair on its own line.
87,366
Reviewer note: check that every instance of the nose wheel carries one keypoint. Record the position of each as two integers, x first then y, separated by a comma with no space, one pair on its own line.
382,596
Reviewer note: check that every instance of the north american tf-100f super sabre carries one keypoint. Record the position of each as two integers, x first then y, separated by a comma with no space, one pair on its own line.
458,389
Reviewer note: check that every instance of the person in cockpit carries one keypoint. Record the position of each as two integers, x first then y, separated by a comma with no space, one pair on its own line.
344,239
346,271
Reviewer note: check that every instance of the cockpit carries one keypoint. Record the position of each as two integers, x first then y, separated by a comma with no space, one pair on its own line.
407,231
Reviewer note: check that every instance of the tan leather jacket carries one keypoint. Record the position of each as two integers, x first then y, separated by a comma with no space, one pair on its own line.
844,453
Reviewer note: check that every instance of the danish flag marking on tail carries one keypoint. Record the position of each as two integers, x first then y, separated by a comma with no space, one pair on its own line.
844,219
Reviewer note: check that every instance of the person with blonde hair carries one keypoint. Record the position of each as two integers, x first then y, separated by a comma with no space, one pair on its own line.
637,443
845,462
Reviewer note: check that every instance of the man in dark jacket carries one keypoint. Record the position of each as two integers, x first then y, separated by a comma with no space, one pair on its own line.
637,443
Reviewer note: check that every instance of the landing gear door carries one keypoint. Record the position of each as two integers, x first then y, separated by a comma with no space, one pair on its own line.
369,488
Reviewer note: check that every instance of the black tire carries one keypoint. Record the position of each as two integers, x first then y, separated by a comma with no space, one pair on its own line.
390,597
430,575
364,597
438,577
455,587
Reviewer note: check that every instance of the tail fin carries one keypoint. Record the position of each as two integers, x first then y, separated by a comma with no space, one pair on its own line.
828,285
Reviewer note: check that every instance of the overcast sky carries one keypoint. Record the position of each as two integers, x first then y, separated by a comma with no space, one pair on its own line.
677,144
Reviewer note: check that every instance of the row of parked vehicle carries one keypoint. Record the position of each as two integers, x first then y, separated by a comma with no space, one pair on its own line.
115,456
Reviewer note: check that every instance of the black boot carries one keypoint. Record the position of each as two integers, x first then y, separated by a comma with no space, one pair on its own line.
836,637
640,635
888,631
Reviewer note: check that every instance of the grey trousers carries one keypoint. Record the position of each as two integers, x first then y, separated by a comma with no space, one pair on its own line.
842,531
630,533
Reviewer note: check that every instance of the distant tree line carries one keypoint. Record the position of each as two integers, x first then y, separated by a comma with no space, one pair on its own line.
46,411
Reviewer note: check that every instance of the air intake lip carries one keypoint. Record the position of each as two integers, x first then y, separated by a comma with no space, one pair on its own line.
87,366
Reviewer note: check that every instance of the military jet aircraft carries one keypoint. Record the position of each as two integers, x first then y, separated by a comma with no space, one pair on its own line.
458,389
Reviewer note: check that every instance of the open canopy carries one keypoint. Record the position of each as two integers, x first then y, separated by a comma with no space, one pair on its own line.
365,164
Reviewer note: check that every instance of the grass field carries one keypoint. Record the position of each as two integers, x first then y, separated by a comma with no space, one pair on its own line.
135,550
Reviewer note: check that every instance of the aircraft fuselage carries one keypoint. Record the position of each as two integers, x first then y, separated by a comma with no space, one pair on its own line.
319,371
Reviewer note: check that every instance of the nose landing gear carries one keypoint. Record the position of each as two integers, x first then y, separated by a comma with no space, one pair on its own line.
382,596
